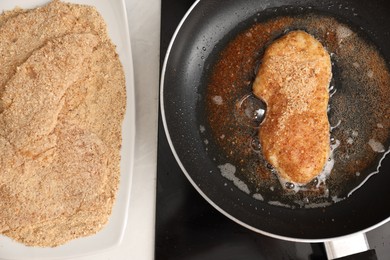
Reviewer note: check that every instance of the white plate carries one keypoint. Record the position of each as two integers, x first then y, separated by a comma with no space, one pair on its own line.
114,14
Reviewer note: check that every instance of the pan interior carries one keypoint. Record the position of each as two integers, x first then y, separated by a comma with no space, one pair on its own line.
357,112
187,75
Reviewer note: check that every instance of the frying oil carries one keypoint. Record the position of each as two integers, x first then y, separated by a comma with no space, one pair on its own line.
358,112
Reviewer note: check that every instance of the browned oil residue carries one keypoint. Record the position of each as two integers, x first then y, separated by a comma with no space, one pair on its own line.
360,106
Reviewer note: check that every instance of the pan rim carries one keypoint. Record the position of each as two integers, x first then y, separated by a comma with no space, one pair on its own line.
212,203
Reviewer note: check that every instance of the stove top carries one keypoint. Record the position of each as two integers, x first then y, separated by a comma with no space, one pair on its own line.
187,227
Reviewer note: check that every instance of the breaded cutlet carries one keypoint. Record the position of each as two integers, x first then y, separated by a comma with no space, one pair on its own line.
293,80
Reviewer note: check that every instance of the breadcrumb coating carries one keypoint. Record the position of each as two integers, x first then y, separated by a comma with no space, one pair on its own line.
62,103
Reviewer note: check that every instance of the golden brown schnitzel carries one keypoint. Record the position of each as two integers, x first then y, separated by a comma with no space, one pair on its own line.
293,80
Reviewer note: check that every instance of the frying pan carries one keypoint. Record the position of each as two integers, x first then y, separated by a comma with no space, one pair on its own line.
202,34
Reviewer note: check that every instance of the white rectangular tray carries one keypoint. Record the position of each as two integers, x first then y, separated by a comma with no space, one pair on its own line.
114,14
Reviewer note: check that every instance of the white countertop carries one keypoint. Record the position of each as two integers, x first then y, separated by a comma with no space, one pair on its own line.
144,26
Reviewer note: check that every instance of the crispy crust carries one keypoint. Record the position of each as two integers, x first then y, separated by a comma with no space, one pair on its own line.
293,80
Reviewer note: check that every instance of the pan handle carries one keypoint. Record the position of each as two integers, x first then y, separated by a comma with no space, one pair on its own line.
351,247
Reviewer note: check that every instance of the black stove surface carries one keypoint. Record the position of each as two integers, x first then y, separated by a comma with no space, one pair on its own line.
187,227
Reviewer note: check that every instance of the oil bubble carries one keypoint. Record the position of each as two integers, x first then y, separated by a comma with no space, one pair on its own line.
255,144
250,111
290,185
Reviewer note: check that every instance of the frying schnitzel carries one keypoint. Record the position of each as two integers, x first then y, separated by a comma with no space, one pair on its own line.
293,80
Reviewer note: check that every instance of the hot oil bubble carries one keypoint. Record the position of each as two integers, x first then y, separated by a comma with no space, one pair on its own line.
258,115
254,143
250,111
271,169
289,185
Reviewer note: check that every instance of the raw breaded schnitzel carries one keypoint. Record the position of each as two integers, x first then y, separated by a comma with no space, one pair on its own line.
293,80
22,31
62,103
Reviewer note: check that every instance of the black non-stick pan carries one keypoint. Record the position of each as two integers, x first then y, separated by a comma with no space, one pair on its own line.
204,32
